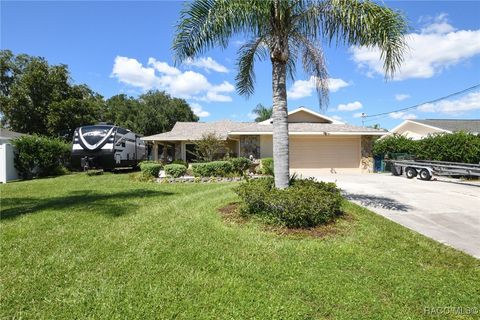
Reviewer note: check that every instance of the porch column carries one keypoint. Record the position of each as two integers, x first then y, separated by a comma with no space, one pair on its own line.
164,153
155,151
183,151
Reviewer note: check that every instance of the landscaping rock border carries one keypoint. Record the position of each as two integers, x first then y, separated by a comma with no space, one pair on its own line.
191,179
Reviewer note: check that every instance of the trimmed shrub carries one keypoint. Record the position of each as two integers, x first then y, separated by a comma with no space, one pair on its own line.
267,166
453,147
240,165
306,203
149,161
394,144
175,170
150,169
37,156
180,161
212,169
456,147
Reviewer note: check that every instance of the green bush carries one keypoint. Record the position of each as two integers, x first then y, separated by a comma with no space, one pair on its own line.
306,203
175,170
394,144
150,169
456,147
180,161
212,169
453,147
240,165
37,156
267,166
149,162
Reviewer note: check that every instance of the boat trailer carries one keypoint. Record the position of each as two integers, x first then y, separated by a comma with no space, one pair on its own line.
425,169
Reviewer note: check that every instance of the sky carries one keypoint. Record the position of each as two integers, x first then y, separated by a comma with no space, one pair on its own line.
125,47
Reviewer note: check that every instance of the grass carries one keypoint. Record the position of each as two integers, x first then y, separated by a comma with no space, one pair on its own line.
105,247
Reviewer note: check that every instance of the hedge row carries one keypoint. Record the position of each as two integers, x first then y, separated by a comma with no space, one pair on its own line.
306,203
234,166
37,156
175,170
453,147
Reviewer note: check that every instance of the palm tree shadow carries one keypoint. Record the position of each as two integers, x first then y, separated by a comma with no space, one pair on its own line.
377,202
110,204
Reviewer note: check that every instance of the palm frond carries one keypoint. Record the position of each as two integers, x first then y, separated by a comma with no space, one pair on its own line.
209,23
313,62
360,23
245,79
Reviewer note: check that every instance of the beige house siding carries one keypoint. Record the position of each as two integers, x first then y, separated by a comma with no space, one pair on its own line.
303,116
329,154
416,131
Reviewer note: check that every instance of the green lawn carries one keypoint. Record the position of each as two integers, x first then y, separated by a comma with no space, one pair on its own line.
106,247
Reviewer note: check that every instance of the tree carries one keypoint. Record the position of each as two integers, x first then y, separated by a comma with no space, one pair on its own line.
208,147
283,30
38,98
263,113
153,112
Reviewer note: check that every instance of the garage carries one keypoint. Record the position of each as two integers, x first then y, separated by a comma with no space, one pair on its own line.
333,154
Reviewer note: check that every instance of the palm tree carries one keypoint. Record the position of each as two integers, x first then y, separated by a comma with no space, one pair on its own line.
284,30
263,113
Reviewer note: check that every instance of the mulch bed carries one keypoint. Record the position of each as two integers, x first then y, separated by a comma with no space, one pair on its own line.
230,213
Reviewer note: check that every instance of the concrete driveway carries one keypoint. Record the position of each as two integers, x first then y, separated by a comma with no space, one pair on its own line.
447,210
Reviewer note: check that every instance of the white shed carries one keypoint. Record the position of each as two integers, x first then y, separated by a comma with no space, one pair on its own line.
7,155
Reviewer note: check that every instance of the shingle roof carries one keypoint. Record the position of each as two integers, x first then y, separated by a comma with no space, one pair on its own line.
7,134
183,131
468,125
306,127
195,130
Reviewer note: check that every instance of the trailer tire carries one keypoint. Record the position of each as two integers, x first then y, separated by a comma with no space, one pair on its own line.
425,175
396,171
410,172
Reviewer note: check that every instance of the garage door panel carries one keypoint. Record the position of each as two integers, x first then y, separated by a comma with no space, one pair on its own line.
324,152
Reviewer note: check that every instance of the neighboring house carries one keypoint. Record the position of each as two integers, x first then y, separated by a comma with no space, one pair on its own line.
419,129
7,167
317,142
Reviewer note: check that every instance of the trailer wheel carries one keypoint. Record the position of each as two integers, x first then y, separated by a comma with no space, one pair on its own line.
410,172
425,175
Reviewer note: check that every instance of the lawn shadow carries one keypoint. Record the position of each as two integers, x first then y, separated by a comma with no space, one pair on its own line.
377,202
111,204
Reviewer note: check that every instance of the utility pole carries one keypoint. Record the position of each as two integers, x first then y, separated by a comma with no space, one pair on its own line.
364,115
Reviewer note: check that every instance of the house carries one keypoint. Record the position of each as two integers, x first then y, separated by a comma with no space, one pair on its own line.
7,155
419,129
317,142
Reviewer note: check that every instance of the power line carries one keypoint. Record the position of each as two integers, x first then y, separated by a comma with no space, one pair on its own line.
421,104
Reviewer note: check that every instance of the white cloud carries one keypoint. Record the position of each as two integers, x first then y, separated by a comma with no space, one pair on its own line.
131,72
305,88
336,117
358,115
438,24
163,67
251,116
198,110
402,115
436,47
207,64
469,102
160,75
351,106
401,96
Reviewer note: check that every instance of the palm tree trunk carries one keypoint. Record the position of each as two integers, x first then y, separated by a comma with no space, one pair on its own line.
280,125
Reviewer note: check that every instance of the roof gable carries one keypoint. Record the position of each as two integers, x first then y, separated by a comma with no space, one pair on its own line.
468,125
305,115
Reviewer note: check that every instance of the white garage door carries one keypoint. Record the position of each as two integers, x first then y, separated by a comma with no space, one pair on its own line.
340,154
